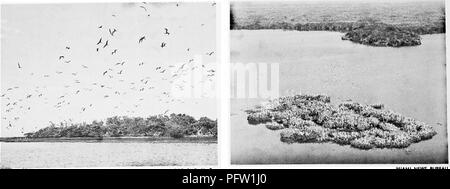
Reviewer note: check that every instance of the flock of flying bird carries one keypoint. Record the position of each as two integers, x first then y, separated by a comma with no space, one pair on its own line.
14,103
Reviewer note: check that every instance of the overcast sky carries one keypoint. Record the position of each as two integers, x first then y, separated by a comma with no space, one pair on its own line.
35,36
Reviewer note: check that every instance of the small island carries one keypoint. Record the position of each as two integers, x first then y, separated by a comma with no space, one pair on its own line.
158,127
313,119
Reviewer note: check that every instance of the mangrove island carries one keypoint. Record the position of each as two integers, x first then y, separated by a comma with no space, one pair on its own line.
313,119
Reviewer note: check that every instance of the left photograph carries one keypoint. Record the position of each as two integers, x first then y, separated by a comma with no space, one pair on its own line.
108,85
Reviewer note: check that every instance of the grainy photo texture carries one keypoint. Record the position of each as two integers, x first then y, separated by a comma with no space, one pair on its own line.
358,82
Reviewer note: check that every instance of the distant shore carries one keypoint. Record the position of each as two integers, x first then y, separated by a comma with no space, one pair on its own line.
188,139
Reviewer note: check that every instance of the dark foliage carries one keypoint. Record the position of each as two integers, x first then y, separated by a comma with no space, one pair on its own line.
175,125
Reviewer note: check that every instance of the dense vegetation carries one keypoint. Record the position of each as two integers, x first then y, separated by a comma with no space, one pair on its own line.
175,125
370,24
312,118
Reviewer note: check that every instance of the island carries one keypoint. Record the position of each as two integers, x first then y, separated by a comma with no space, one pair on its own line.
314,119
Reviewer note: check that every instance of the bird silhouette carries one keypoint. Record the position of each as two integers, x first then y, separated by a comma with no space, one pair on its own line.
143,8
106,44
163,45
114,52
61,57
166,31
99,41
105,72
112,31
141,39
18,65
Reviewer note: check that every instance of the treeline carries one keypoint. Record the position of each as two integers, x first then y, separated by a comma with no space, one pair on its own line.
175,125
366,31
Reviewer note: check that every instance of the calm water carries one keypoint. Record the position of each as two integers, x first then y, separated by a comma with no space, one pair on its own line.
81,154
409,80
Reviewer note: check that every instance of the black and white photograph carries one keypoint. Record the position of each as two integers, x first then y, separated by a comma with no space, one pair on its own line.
338,82
103,85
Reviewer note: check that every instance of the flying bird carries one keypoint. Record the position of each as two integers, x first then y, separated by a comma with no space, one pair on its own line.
143,7
112,31
163,45
141,39
18,65
114,52
166,31
105,72
61,57
210,53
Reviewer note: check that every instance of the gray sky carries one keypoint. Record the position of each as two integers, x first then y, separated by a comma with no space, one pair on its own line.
37,35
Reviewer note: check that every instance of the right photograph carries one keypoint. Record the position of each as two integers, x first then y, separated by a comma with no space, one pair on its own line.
338,82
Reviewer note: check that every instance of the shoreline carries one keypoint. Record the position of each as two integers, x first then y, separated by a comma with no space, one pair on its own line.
191,139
